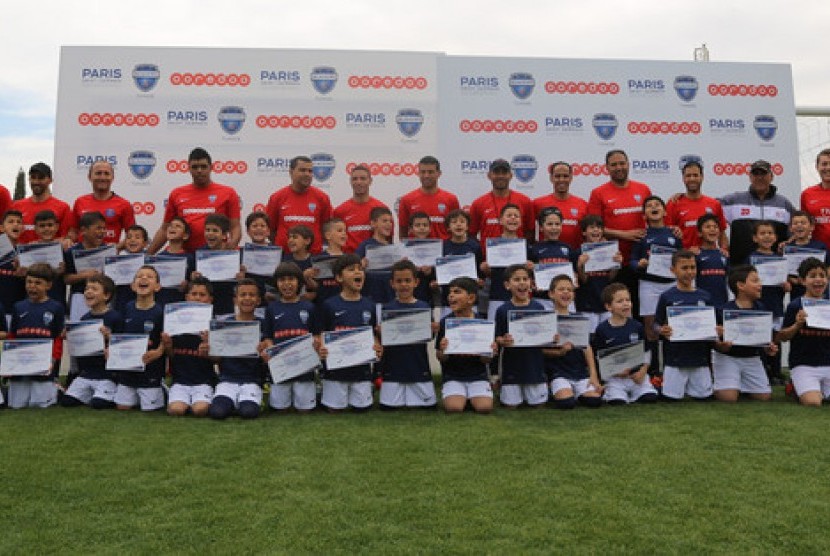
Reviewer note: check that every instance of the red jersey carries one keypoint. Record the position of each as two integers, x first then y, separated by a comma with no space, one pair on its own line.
358,223
437,205
485,212
573,210
29,207
5,200
815,200
621,208
684,213
195,203
287,208
117,211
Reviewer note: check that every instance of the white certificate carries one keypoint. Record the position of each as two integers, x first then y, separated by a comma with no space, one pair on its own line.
234,338
126,351
818,312
575,329
795,255
531,328
747,328
545,272
347,348
400,327
26,357
92,259
503,251
218,265
261,260
6,247
324,265
771,270
620,359
422,252
292,358
122,268
382,257
172,270
659,261
692,323
50,253
455,266
601,255
469,336
84,337
187,317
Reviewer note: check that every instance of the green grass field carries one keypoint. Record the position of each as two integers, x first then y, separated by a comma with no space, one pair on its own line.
682,478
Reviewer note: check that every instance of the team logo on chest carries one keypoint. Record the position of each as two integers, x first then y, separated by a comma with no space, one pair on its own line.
312,207
304,316
212,198
634,337
442,207
367,317
148,326
638,197
48,317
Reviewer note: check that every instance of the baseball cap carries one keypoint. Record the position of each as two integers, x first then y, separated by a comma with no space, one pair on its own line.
760,165
41,169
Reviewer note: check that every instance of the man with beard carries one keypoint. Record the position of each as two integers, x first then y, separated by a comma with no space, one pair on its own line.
40,178
355,211
683,210
428,198
573,208
815,200
486,210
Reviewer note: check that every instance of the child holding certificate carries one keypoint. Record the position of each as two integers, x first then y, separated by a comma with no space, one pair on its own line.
809,347
258,227
457,223
287,318
95,385
46,229
192,370
178,232
633,385
240,378
300,239
510,220
711,261
739,369
377,280
407,380
420,227
217,230
349,386
335,236
591,284
802,225
686,369
93,228
135,242
550,249
572,369
465,377
522,368
12,284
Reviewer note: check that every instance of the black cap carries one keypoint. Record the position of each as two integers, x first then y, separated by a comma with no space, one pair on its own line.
499,164
760,165
41,169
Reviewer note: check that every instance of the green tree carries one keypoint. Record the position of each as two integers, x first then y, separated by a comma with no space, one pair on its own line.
20,185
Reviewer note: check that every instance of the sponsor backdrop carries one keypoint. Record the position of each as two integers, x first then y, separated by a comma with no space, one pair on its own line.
143,109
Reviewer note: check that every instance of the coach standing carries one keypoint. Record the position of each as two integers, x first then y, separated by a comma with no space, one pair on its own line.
40,180
485,211
573,208
118,211
355,211
815,200
428,198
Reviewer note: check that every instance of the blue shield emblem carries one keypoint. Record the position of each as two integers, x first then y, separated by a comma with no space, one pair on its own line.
367,317
304,316
323,79
524,167
146,76
605,125
48,317
442,207
148,326
212,198
409,121
322,166
686,87
686,158
521,85
311,207
574,212
141,164
109,213
231,118
765,127
638,197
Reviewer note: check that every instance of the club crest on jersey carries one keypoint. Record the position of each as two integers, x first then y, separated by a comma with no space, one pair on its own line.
521,85
323,79
409,121
212,198
708,210
672,240
565,251
766,127
148,326
574,212
48,317
231,119
304,316
524,166
322,166
634,337
367,317
638,197
141,164
109,213
686,87
442,207
605,125
311,207
146,77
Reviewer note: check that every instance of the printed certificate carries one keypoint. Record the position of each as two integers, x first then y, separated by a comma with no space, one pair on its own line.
818,312
620,359
348,348
187,317
30,357
545,272
454,266
692,323
84,337
422,252
50,253
234,338
575,329
92,259
219,265
747,328
7,250
469,336
796,255
261,260
772,270
659,261
601,255
532,328
324,265
399,327
382,257
503,252
292,358
122,268
126,351
172,270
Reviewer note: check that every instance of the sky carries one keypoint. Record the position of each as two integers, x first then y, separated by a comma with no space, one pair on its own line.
32,32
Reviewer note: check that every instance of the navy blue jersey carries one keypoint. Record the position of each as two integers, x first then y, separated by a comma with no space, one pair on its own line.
223,293
422,291
572,365
187,366
607,335
519,365
93,367
771,296
341,314
551,252
809,346
144,321
452,248
176,295
304,264
588,296
12,288
284,321
462,368
797,289
408,363
69,265
642,250
377,287
712,267
39,320
742,351
123,295
683,354
243,370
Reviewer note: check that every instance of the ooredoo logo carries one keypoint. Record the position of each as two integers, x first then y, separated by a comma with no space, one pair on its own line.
581,88
322,165
524,167
323,79
409,121
686,87
144,208
664,128
231,119
766,127
141,164
521,85
387,82
210,79
146,77
118,119
218,166
605,125
285,121
741,90
498,126
385,168
589,169
741,168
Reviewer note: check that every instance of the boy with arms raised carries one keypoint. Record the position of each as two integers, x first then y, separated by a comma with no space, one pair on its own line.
178,232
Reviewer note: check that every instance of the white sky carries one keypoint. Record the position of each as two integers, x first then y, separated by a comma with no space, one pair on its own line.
32,32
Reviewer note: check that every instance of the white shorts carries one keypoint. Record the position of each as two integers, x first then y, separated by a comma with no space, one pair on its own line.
578,387
32,393
805,379
84,389
746,374
149,399
532,394
407,394
474,389
682,381
340,395
625,389
650,295
303,395
238,393
190,394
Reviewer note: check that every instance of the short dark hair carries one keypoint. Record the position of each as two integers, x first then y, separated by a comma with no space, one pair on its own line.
88,219
609,291
547,211
456,213
106,283
418,215
690,164
199,281
377,212
809,264
590,220
199,154
513,269
42,271
612,152
465,283
823,152
758,224
257,215
246,282
150,267
289,270
805,214
553,165
139,228
559,278
739,273
509,206
44,215
329,224
653,198
404,265
303,231
12,212
183,221
431,160
361,168
681,254
220,220
292,164
345,261
706,218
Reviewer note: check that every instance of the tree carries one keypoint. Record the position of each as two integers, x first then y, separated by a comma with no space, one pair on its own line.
20,185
